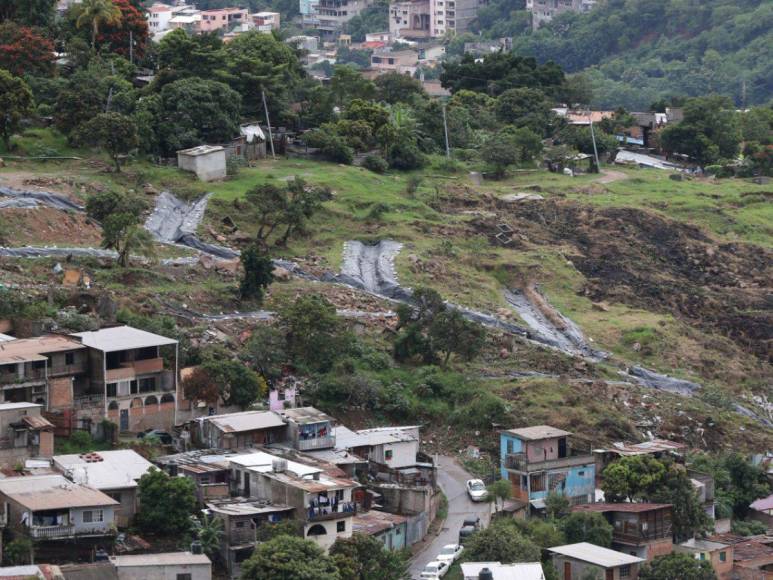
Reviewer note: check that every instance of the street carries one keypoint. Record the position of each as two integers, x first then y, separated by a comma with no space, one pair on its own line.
451,478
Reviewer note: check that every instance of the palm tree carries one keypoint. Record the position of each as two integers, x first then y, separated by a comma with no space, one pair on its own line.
96,13
208,530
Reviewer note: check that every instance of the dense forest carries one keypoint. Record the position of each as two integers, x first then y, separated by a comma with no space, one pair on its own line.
636,53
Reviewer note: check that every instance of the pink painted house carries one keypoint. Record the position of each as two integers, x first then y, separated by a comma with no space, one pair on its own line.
223,18
281,398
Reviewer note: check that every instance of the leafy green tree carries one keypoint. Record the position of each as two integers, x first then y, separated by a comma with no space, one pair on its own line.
95,13
632,478
183,55
120,216
363,557
525,107
315,334
166,503
414,321
19,551
688,516
266,350
237,384
114,132
501,542
27,12
499,492
395,87
15,102
268,531
289,558
591,527
747,483
374,18
352,56
454,334
208,530
677,567
347,84
258,273
557,505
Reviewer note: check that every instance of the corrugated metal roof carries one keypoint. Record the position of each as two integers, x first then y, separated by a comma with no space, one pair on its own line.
119,338
165,559
50,492
620,507
241,506
703,545
118,469
654,446
32,349
373,522
246,421
597,555
304,415
37,422
15,406
538,432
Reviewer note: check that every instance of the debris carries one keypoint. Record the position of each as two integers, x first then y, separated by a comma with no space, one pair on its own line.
521,197
281,274
57,269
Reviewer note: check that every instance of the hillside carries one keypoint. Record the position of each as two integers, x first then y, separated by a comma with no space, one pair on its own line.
622,270
635,53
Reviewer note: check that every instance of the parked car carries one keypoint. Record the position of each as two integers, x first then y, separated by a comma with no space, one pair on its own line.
434,570
162,436
450,553
466,532
476,489
473,521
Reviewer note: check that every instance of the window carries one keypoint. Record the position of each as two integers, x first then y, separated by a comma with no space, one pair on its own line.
69,358
625,571
580,474
111,389
239,525
341,526
538,482
723,556
280,395
92,516
509,446
184,576
133,386
148,385
39,364
388,454
703,556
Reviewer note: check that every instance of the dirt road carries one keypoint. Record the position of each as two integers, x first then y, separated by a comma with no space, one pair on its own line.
610,176
452,479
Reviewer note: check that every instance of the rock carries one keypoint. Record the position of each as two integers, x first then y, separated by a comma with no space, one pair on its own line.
241,238
636,346
57,269
476,177
106,308
149,189
206,261
282,274
600,306
227,266
2,162
521,197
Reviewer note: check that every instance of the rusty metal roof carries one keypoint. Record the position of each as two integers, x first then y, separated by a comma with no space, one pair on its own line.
620,507
373,522
654,446
246,421
37,423
33,349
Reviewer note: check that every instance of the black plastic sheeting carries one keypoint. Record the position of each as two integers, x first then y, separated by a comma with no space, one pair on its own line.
19,198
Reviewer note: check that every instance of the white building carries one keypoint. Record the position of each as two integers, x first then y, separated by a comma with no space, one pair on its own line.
266,21
395,447
545,10
333,14
206,161
520,571
432,18
166,566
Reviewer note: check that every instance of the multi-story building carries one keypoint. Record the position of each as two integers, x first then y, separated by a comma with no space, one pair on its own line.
43,370
24,433
432,18
719,555
266,21
331,15
308,11
222,19
400,61
322,499
545,10
409,19
130,378
187,18
50,507
309,429
639,529
541,459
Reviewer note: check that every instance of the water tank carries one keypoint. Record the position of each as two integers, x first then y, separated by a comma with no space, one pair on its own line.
196,547
279,465
485,574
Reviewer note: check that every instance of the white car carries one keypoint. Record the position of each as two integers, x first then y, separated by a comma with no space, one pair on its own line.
450,553
434,570
476,489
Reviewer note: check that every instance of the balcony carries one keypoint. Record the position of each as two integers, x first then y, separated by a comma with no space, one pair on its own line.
319,514
51,532
634,536
129,370
315,443
520,462
242,536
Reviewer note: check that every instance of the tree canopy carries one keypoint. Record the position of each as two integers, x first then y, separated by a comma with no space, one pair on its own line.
167,503
289,558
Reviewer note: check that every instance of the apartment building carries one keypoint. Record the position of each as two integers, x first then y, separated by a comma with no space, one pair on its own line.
222,19
322,498
543,11
331,15
132,378
410,20
541,459
417,19
266,21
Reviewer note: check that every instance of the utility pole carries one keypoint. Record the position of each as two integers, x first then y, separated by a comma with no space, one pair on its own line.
131,46
593,138
445,129
268,122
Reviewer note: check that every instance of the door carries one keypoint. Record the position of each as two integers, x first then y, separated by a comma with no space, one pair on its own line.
562,447
246,484
567,571
124,419
610,575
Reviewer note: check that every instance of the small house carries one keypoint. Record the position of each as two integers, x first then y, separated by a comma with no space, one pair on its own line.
390,529
499,571
177,565
24,433
309,428
241,430
719,555
578,561
762,511
206,161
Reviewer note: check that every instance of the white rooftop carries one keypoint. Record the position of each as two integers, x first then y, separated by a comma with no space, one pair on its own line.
263,462
6,337
118,338
165,559
118,469
246,421
14,406
348,439
201,150
596,555
520,571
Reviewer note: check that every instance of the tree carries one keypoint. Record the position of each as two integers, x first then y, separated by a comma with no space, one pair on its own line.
348,84
15,102
501,542
27,12
184,55
413,324
591,527
95,13
677,567
557,505
525,107
363,557
395,87
24,51
199,385
237,384
499,492
289,558
501,153
373,18
258,273
208,529
453,333
632,478
747,483
166,503
314,333
120,217
130,28
688,516
266,350
114,132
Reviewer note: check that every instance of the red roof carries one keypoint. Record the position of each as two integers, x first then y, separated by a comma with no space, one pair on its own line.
373,44
620,507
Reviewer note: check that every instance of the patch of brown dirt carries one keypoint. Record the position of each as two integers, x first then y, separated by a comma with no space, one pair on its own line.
46,225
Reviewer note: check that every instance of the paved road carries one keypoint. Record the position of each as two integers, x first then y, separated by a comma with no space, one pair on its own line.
451,478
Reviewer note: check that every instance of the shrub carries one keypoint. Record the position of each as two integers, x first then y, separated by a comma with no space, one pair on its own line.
405,155
377,210
375,164
413,184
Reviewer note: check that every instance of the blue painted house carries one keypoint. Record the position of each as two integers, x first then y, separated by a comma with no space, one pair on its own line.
541,459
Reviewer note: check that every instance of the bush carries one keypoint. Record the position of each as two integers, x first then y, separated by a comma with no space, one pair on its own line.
331,146
405,155
375,164
449,165
413,184
377,210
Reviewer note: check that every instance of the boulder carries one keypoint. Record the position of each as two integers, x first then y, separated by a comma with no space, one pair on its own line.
282,274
